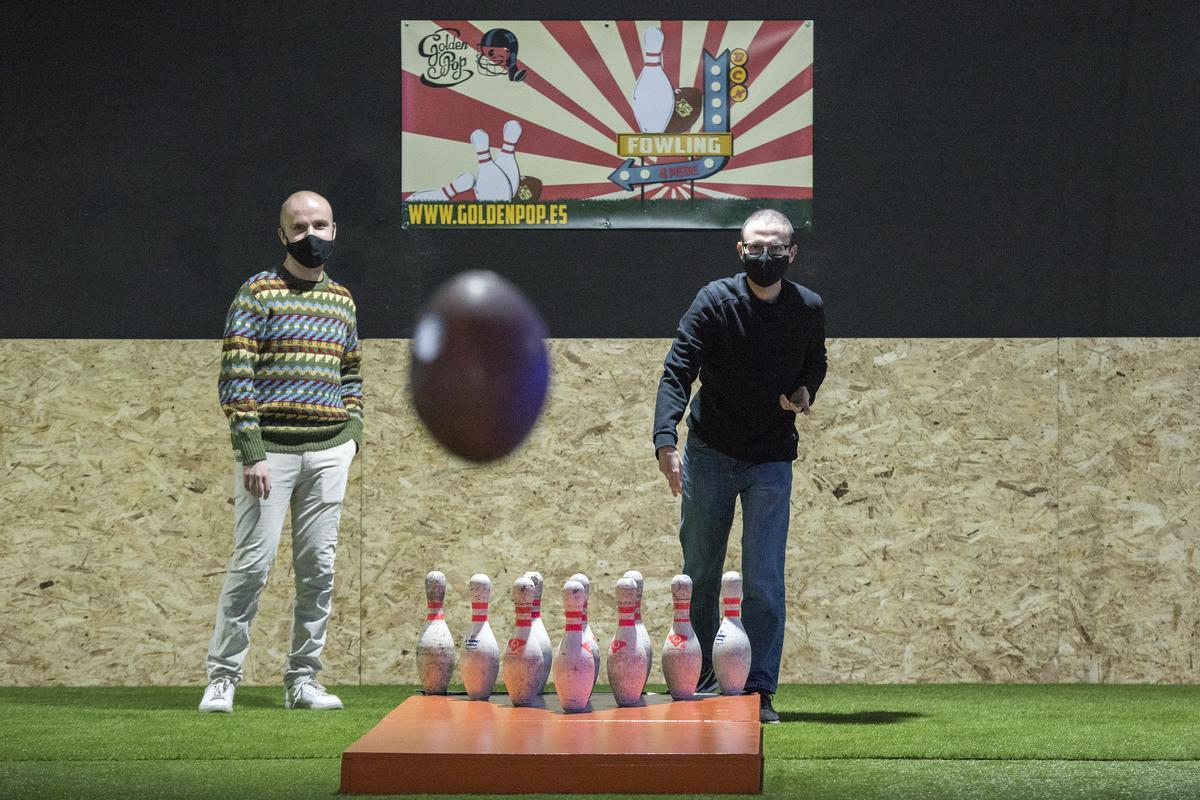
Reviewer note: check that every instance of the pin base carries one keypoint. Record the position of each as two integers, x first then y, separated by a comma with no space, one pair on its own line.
451,745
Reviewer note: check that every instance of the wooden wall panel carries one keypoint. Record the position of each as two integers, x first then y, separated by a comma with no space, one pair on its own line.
963,510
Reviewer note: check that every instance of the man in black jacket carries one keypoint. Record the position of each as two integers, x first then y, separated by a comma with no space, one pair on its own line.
757,343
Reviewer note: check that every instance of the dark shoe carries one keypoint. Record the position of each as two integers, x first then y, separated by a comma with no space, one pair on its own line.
767,714
708,683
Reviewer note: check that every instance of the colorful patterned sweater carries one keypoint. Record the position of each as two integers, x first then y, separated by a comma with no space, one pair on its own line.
290,360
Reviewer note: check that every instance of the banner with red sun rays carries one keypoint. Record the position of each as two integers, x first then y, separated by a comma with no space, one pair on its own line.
595,124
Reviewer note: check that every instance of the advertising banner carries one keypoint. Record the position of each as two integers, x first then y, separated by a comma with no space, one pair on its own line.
605,124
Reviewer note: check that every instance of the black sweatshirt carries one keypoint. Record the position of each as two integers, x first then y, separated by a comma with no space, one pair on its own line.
746,352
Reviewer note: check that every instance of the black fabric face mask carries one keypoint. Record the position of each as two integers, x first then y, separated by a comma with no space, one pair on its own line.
311,251
764,269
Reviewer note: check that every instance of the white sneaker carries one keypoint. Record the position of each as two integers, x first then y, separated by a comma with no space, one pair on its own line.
218,696
310,694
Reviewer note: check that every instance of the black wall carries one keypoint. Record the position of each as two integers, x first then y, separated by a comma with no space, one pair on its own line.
981,169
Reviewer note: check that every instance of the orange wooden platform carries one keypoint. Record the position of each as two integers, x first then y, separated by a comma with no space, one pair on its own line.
452,745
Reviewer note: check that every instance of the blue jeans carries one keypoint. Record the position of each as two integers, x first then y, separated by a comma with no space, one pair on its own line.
712,483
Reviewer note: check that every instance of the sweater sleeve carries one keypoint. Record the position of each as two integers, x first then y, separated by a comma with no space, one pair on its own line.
244,326
680,369
815,361
352,395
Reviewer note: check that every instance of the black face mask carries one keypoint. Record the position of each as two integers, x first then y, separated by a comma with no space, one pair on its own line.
311,251
764,269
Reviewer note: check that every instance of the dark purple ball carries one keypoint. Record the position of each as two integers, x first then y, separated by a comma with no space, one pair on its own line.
479,368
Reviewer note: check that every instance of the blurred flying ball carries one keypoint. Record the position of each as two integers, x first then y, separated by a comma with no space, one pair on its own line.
480,368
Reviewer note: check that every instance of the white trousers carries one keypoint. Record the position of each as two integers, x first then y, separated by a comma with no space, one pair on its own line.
312,485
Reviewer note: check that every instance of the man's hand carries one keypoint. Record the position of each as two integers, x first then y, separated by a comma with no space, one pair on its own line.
670,465
258,479
798,402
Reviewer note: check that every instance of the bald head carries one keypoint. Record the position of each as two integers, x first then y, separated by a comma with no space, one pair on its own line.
303,203
305,213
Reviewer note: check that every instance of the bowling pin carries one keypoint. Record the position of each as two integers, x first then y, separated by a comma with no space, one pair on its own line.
506,159
435,651
490,181
460,184
523,658
653,96
731,648
681,650
480,653
538,632
626,663
589,636
573,667
642,633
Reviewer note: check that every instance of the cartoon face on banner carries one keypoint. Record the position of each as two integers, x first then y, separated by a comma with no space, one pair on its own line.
667,124
498,54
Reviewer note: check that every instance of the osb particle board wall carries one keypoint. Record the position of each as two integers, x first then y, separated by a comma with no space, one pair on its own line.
963,510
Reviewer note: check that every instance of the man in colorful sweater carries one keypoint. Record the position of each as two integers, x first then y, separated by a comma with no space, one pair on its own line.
291,388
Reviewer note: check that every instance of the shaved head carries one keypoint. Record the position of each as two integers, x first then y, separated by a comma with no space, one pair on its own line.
768,218
302,215
305,213
303,201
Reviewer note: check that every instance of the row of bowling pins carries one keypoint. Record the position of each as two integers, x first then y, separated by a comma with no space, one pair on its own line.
529,658
495,179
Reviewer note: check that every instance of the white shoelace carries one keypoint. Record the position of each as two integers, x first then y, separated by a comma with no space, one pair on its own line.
317,688
220,686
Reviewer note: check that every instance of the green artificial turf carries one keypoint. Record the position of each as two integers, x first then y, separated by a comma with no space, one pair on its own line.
837,741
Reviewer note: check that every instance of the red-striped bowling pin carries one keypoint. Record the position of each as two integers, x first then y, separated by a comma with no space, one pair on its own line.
681,650
643,634
506,159
589,636
626,663
573,667
538,631
653,98
480,652
490,181
731,648
522,657
435,651
463,182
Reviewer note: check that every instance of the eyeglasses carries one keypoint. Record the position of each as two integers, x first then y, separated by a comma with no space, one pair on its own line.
775,250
